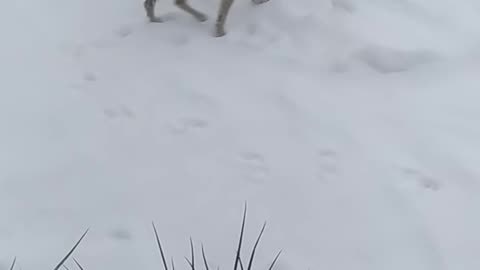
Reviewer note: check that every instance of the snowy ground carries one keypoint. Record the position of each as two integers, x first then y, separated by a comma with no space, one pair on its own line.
352,126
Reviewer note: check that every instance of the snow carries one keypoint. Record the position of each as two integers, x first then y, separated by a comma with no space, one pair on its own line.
350,126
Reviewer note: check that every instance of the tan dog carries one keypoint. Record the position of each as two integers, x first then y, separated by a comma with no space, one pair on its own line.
182,4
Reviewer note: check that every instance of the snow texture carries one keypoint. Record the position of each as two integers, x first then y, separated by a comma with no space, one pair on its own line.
351,126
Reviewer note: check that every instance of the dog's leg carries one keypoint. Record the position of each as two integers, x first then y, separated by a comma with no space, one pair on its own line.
149,6
183,5
225,6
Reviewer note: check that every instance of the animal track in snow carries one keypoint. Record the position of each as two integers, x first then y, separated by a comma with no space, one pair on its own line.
111,39
89,77
254,166
345,5
121,234
123,31
119,112
185,125
421,179
327,161
387,60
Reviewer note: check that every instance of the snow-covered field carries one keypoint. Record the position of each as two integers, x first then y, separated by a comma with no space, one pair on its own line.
351,126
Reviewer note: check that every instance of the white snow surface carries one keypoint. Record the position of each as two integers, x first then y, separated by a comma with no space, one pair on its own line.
351,126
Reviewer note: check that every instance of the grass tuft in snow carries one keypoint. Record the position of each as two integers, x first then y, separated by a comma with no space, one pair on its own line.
191,261
238,260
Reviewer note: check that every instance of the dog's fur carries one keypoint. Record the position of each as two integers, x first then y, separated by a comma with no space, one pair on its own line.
183,4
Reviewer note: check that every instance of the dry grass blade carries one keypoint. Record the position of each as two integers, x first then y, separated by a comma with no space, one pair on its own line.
241,263
78,264
70,252
160,246
13,263
204,258
255,246
173,264
275,260
66,268
237,258
188,261
192,264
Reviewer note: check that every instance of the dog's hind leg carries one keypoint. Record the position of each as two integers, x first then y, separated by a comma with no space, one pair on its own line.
149,6
225,6
183,5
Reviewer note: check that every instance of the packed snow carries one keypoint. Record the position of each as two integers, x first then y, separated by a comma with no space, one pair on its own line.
351,126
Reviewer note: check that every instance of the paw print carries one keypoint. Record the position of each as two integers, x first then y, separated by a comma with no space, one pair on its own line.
254,166
120,112
89,77
422,180
345,5
186,125
121,234
123,31
327,161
